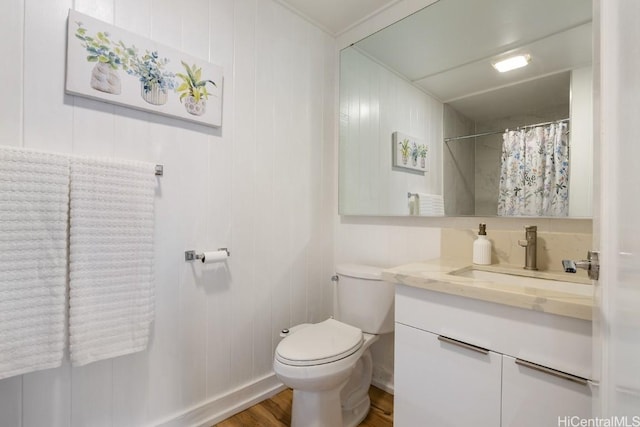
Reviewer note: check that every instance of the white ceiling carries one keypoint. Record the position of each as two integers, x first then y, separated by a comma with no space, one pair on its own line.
336,16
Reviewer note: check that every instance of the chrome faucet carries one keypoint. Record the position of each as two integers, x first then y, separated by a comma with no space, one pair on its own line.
530,244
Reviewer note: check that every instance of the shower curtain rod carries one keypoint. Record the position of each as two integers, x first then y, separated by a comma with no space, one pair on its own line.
501,131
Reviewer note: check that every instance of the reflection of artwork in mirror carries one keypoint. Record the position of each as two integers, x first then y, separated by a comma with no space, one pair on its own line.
409,152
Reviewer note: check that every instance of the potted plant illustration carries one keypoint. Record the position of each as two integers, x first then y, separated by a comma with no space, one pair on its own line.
414,154
404,150
193,90
108,56
155,81
422,153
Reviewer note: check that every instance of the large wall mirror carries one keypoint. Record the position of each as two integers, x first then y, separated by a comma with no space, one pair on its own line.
428,126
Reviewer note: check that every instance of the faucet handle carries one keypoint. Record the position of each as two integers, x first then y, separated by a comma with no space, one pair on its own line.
591,264
530,236
569,266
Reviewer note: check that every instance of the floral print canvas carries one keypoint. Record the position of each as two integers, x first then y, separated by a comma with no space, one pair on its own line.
534,178
113,65
410,152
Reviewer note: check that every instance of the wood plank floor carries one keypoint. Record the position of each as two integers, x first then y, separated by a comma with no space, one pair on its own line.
276,412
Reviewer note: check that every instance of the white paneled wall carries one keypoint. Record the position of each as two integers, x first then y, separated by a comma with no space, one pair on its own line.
384,242
262,184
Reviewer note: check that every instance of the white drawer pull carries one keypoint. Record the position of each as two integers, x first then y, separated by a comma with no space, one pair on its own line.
463,344
551,371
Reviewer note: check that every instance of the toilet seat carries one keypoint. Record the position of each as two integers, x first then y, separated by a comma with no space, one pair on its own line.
318,344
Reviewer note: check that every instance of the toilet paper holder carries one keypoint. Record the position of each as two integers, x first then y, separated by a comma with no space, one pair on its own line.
192,255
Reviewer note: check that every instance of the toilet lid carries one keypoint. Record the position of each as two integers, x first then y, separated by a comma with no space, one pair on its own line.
323,342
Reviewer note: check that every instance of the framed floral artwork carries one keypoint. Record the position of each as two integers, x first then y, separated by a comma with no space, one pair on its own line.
410,153
113,65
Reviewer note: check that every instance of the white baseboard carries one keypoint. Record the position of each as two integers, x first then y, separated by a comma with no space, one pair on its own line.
383,385
222,407
382,378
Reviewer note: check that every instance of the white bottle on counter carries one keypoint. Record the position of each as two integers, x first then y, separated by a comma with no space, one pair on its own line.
482,247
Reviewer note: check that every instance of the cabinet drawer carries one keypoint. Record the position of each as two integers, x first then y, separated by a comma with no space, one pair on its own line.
532,398
441,383
561,343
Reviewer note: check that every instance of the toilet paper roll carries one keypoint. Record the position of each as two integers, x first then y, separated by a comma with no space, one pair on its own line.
214,256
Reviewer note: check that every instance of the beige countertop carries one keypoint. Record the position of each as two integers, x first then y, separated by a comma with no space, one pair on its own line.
561,294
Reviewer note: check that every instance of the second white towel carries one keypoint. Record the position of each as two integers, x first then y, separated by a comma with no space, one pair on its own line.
34,197
111,288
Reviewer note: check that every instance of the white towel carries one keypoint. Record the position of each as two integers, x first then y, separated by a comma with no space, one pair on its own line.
111,293
430,204
34,200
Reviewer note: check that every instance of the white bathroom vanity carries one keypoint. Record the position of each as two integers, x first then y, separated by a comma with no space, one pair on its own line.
505,348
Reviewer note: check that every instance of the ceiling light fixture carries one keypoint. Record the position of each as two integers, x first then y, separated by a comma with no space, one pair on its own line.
512,63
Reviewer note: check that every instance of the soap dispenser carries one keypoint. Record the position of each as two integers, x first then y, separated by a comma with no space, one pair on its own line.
482,247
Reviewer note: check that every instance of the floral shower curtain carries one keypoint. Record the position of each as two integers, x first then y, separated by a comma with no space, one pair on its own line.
534,179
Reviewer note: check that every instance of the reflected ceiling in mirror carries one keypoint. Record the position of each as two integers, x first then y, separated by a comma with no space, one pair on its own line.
430,76
448,48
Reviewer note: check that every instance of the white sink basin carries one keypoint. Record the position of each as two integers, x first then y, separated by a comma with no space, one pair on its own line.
518,280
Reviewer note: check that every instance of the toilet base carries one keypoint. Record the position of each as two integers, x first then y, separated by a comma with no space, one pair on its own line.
323,405
316,409
345,405
335,394
355,394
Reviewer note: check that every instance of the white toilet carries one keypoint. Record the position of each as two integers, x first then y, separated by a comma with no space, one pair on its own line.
328,364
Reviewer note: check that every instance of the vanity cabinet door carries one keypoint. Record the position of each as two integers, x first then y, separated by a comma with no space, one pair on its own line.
441,383
533,398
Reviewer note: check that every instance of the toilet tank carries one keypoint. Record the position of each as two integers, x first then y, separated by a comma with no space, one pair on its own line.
364,300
